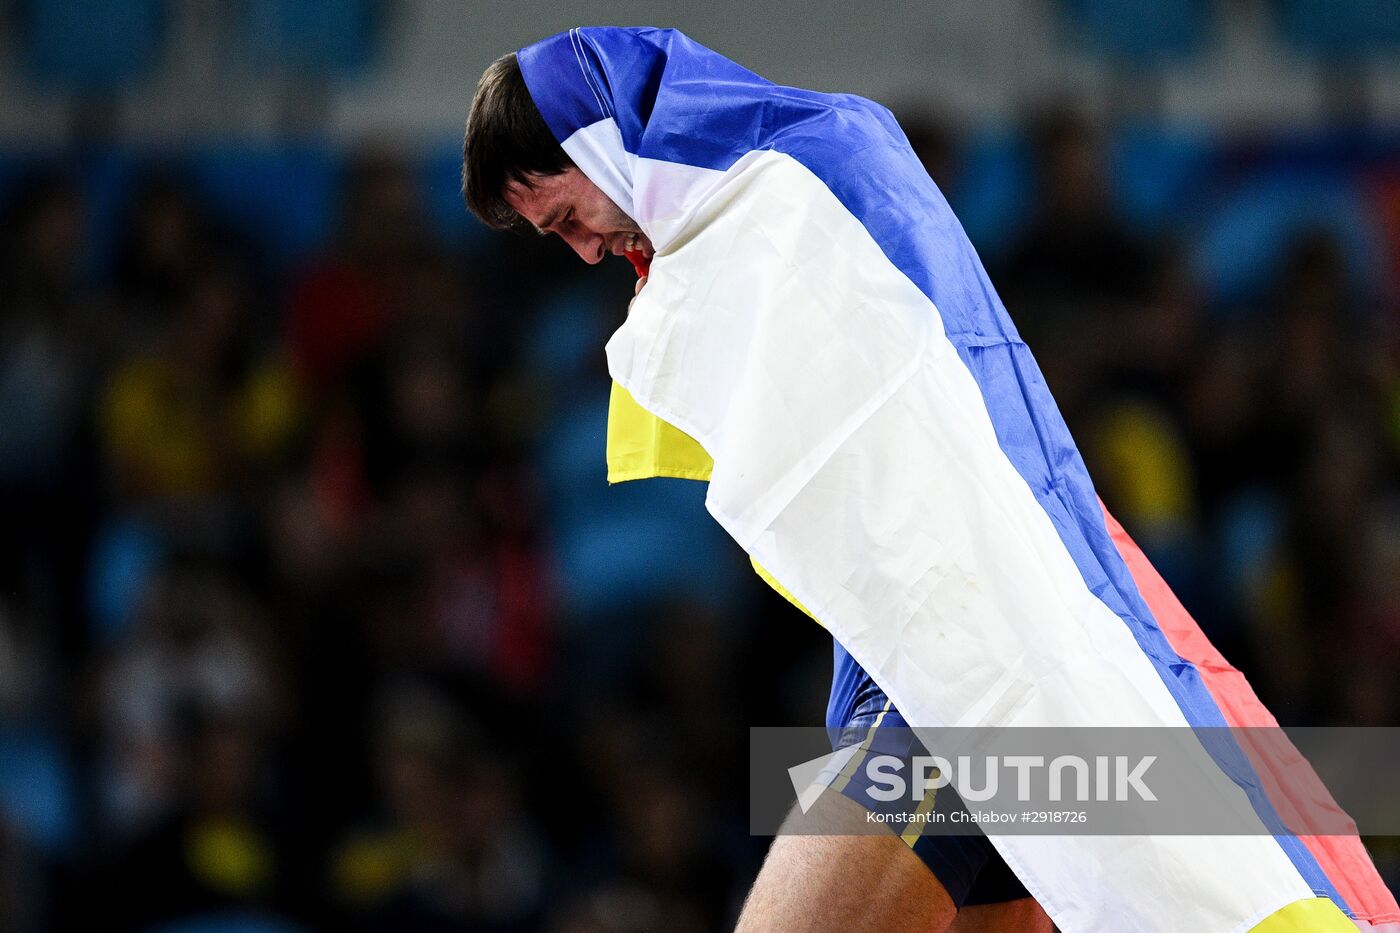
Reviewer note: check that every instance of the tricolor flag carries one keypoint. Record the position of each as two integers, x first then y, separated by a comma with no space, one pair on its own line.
884,446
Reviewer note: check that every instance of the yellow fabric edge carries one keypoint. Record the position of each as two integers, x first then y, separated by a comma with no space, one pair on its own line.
643,446
627,476
1310,915
781,590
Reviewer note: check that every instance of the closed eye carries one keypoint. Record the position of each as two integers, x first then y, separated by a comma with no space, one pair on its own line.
550,224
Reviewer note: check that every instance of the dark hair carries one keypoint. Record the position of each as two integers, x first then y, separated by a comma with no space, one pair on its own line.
506,141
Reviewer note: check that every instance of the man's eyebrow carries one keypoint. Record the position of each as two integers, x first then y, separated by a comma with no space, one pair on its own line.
543,229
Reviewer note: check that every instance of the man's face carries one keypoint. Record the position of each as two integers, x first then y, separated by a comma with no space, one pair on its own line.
573,207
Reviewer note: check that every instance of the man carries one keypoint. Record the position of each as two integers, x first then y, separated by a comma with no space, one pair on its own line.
818,339
517,176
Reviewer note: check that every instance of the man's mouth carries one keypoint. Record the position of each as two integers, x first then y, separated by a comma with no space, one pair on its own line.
634,242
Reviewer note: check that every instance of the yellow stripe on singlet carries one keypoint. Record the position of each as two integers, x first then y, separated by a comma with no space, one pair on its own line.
844,777
916,825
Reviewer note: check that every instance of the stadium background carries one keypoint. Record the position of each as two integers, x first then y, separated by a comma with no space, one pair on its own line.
316,612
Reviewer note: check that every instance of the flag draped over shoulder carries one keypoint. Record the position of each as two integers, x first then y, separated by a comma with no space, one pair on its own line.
884,445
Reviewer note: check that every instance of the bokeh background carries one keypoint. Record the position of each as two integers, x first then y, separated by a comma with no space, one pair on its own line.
316,612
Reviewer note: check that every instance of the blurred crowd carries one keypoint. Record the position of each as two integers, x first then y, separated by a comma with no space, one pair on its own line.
316,610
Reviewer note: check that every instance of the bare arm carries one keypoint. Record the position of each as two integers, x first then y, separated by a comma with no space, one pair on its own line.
847,883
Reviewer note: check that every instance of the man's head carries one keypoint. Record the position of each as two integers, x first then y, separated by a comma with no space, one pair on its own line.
516,176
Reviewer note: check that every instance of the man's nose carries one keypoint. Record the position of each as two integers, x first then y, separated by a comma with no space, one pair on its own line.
589,246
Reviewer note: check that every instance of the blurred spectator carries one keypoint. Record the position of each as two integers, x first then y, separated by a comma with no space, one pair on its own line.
452,848
48,322
187,713
38,812
934,142
200,412
167,241
56,331
224,845
1133,415
1075,258
342,303
198,648
483,584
